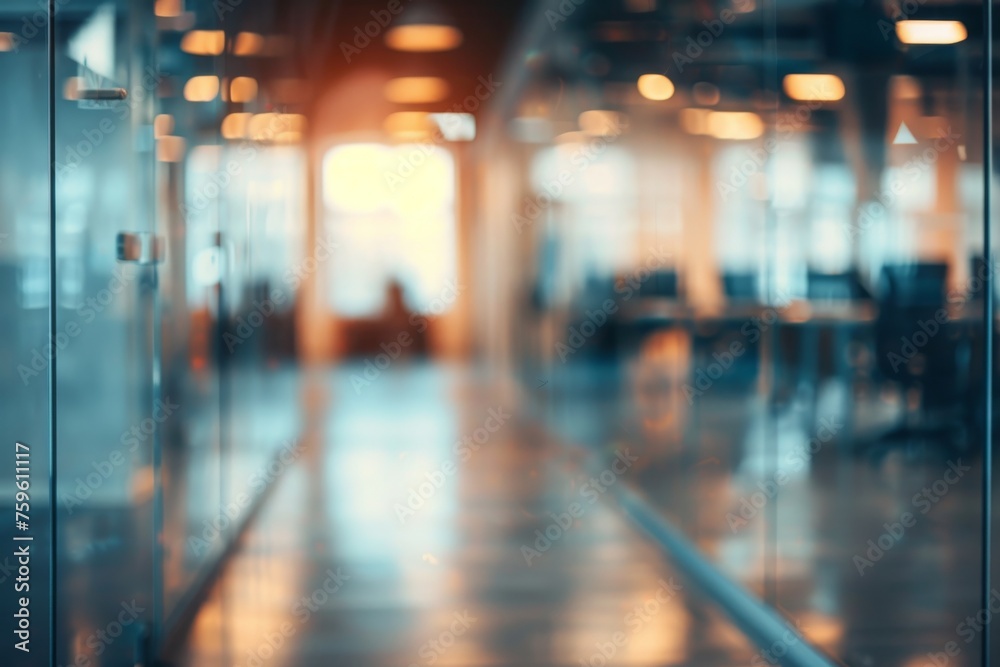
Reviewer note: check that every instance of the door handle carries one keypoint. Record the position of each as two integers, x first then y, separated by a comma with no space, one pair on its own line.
139,247
102,94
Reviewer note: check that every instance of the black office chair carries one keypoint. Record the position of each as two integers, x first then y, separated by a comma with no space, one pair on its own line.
845,286
923,352
660,284
740,286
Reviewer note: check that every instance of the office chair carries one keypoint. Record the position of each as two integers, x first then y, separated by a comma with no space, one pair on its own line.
740,286
844,286
660,284
924,353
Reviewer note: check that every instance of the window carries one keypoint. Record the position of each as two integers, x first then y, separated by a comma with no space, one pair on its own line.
390,210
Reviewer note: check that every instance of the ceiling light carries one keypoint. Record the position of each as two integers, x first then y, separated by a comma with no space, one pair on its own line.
201,88
655,87
248,44
203,42
814,87
736,125
243,89
931,32
409,124
168,8
416,89
234,126
276,127
423,38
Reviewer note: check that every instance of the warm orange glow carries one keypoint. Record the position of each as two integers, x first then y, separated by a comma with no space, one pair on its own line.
272,126
416,89
243,89
695,121
204,42
423,38
735,125
290,137
814,87
601,123
409,124
170,149
931,32
904,87
289,91
277,45
248,44
168,8
6,41
655,87
234,126
201,88
163,125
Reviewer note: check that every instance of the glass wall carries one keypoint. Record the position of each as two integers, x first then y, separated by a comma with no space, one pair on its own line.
25,345
152,244
756,260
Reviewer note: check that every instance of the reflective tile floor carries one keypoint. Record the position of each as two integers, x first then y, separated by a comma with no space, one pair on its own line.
403,533
873,553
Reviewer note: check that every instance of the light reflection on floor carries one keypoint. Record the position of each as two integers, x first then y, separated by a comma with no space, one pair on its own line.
446,582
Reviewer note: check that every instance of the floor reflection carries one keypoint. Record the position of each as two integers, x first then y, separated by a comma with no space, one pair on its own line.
394,541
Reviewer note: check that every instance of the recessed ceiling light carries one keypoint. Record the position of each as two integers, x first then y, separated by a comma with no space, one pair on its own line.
243,89
234,126
409,123
814,87
735,125
201,88
655,87
423,37
203,42
416,90
931,32
168,8
248,44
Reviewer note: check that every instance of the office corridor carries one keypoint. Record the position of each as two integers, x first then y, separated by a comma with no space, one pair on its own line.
329,574
534,333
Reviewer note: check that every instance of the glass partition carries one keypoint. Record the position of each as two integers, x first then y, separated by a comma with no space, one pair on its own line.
107,419
756,258
26,346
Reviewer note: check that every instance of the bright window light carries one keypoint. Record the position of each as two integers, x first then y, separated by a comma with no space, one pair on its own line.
391,212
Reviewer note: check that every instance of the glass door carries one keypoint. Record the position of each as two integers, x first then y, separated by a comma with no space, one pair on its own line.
108,417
